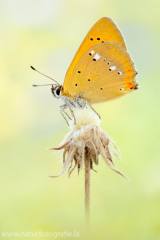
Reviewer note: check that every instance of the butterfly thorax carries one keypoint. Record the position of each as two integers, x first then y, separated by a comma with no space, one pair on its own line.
74,102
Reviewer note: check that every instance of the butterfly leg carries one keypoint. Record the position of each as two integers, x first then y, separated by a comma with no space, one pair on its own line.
93,109
79,103
82,104
62,110
72,113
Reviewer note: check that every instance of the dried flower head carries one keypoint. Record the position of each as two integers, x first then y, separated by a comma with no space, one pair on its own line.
86,138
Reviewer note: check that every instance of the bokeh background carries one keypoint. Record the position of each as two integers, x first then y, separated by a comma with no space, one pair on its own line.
47,34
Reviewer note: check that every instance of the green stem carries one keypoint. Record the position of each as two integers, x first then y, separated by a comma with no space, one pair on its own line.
87,189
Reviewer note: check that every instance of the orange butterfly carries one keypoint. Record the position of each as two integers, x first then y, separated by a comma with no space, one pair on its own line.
101,70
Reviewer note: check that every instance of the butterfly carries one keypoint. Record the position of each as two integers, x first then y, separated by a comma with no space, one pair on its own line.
101,70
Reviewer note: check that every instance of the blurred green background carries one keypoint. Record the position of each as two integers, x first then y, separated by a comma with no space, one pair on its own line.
47,34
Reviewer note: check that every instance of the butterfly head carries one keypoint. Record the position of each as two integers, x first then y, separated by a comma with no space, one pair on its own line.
56,90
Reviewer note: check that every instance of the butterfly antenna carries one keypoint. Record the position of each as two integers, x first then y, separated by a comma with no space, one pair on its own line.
44,75
43,85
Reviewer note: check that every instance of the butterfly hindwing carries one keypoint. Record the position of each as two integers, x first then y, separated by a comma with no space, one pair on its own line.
104,72
105,30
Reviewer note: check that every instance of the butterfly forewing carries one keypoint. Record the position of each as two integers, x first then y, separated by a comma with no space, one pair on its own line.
105,30
104,72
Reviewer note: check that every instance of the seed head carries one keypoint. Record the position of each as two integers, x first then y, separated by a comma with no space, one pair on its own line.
86,138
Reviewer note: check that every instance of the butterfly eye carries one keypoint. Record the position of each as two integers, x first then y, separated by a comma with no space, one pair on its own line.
98,39
57,92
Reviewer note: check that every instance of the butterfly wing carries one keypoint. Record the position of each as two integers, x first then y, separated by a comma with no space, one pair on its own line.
105,30
105,72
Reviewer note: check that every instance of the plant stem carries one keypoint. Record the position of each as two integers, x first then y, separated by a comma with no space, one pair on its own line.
87,188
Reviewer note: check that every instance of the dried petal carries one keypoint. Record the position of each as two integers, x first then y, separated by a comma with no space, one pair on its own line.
67,162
